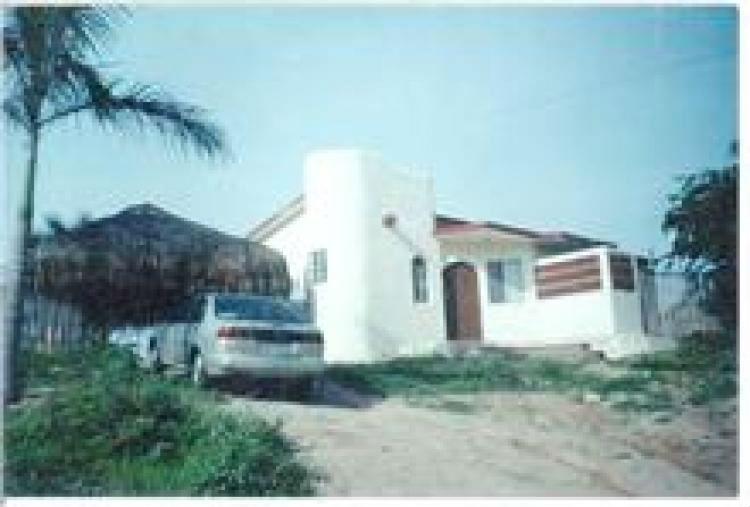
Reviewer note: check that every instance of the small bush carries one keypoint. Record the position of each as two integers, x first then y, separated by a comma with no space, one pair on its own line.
245,457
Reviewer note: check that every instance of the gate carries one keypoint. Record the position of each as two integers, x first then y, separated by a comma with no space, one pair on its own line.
672,303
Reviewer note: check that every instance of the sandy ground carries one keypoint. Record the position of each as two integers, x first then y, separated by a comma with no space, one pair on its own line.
491,444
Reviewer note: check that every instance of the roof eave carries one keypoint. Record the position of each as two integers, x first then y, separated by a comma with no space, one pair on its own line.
278,220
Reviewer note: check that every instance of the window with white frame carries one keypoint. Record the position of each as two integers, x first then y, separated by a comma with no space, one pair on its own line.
419,279
505,281
318,266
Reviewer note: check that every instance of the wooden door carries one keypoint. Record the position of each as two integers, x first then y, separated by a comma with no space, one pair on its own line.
461,295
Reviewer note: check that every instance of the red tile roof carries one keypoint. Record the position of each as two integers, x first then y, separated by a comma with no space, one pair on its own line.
451,226
445,225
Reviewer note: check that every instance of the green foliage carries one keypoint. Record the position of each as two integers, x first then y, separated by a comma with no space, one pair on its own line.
696,352
704,366
241,457
110,429
65,366
702,221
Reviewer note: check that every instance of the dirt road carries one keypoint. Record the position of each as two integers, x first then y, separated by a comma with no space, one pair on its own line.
493,444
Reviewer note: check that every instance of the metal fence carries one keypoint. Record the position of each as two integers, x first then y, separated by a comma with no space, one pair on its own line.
673,303
50,325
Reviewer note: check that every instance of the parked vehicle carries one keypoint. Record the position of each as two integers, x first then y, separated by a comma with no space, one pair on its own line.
214,335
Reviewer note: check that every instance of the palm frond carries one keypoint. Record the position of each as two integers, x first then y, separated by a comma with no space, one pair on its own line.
35,39
11,45
79,29
147,106
82,88
76,82
51,52
14,112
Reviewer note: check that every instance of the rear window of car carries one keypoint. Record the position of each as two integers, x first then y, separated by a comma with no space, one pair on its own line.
246,308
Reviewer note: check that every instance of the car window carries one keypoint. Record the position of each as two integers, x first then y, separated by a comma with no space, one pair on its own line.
257,308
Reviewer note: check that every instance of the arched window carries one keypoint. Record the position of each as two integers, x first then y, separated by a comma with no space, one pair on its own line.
419,279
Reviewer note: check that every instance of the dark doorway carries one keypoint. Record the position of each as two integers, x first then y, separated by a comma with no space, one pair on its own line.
461,295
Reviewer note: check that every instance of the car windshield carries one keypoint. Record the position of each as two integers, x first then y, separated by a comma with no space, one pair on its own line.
257,308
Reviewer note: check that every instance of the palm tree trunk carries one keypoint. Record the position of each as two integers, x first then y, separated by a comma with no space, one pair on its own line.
24,281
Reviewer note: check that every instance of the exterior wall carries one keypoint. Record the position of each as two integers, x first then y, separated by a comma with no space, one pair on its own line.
592,316
292,242
365,307
399,325
570,318
626,307
502,323
583,317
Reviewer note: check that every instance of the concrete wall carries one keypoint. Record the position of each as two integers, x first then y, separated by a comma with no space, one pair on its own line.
365,307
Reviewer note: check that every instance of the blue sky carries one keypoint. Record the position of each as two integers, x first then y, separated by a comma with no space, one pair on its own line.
549,118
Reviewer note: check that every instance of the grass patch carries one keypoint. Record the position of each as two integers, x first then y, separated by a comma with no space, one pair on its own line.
427,375
492,371
703,368
110,429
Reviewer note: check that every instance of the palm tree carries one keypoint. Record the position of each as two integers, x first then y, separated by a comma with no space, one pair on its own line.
52,71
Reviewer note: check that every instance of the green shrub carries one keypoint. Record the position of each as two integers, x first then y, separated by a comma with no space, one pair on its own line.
245,457
111,429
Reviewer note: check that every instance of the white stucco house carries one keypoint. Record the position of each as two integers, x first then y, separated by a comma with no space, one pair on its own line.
387,276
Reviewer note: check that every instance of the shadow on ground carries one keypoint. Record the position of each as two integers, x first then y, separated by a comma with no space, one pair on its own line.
327,394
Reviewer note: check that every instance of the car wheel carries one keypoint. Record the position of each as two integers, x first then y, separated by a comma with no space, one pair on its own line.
197,370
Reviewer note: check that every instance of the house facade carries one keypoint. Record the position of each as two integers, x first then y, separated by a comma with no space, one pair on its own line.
386,276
